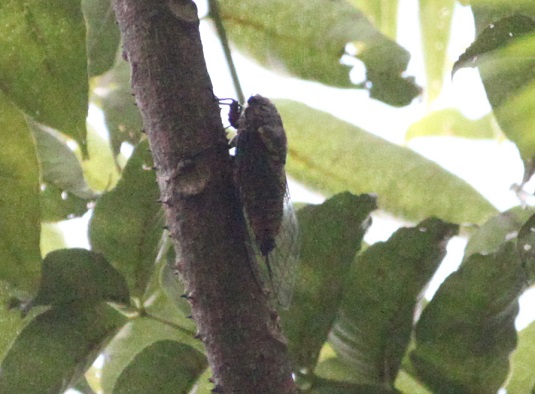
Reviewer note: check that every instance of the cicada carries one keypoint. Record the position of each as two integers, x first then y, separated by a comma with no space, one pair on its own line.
261,149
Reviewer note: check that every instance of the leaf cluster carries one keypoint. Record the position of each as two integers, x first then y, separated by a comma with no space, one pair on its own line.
359,322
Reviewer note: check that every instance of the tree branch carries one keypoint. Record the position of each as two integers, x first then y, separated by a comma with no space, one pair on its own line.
181,117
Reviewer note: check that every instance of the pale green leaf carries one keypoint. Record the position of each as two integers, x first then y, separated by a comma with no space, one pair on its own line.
330,156
435,23
308,38
382,13
451,122
523,374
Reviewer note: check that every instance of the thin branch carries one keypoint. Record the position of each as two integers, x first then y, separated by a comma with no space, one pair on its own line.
222,34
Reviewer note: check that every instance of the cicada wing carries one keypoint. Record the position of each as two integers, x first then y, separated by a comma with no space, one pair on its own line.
283,261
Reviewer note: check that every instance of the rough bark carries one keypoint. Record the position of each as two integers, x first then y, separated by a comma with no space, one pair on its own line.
173,91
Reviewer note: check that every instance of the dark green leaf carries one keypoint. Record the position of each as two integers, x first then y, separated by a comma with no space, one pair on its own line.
131,342
19,201
389,87
330,235
451,122
495,36
466,334
334,368
103,35
331,156
375,320
162,367
523,377
122,117
498,229
171,285
43,67
504,52
11,323
526,246
325,386
126,226
79,276
308,38
54,350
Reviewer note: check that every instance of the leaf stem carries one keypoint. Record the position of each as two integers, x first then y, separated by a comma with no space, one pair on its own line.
222,34
167,322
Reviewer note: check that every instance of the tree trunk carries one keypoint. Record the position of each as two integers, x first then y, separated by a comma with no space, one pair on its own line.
246,350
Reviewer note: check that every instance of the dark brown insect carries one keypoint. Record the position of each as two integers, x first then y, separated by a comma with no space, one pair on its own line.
261,149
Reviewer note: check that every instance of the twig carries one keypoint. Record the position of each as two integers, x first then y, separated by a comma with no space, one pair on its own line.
222,33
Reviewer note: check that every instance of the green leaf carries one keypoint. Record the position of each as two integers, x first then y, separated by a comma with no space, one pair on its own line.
292,36
435,23
11,323
126,225
83,386
326,386
57,205
19,201
497,35
495,231
451,122
101,170
375,320
79,276
466,334
103,35
406,383
131,342
171,285
382,13
113,94
59,165
526,247
162,367
51,238
504,52
522,379
43,67
330,155
330,236
54,349
64,191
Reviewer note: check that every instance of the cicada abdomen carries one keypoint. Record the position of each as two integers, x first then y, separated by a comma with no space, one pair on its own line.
261,149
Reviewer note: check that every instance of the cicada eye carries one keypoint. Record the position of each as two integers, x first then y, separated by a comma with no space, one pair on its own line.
234,113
